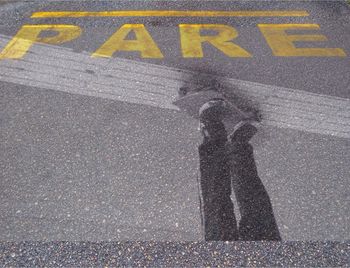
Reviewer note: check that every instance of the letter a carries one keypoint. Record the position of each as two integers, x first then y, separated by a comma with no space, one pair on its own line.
143,43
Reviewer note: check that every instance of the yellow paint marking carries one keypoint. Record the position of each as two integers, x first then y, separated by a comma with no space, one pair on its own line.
171,13
191,40
282,44
29,34
143,43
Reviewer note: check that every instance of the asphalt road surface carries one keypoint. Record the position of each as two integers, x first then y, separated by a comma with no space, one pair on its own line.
93,149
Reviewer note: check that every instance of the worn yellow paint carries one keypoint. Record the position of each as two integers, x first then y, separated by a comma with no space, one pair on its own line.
282,44
171,13
191,40
30,34
143,43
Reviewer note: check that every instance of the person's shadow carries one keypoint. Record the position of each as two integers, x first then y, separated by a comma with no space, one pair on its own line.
227,163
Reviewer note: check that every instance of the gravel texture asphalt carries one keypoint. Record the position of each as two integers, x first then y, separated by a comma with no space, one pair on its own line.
82,168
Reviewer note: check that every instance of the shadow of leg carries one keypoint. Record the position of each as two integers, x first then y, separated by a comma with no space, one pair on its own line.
257,218
218,213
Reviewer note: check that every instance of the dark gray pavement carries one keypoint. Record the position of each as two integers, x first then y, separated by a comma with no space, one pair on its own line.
77,167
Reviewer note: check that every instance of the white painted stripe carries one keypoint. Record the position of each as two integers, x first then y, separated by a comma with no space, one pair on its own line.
59,68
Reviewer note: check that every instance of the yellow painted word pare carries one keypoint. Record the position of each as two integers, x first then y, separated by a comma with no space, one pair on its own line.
191,40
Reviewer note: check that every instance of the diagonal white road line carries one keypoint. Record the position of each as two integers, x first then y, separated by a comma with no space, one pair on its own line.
59,68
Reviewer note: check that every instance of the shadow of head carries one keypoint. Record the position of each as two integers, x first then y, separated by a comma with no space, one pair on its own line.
231,91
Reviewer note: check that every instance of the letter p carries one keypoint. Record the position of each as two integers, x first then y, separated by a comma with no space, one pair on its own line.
30,34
